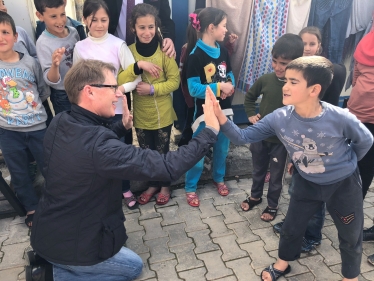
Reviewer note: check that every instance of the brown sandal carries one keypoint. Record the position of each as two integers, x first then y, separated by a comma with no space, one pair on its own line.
222,188
145,197
162,199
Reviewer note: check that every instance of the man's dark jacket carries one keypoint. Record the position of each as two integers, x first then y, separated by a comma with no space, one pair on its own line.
79,220
164,12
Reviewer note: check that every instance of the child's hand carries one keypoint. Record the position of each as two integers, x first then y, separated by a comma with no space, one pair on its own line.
126,115
168,48
216,107
290,168
254,119
232,38
151,68
57,56
209,117
227,88
143,89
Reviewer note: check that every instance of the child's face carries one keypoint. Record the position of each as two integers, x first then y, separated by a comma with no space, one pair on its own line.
311,44
3,7
279,65
99,24
7,37
145,28
55,20
295,90
219,31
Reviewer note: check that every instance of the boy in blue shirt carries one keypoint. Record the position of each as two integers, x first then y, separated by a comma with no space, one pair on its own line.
315,135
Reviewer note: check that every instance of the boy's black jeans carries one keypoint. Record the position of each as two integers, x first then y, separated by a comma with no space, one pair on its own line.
345,205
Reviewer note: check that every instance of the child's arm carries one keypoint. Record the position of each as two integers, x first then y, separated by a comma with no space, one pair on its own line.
360,136
76,56
250,101
128,78
43,89
53,74
162,88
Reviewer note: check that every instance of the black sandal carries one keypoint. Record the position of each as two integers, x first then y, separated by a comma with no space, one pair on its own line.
275,273
251,203
29,219
270,211
130,199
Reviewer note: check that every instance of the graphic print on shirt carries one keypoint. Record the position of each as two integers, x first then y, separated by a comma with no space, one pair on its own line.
307,155
69,55
215,74
17,100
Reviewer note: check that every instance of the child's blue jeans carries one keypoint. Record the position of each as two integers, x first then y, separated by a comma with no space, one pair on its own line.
220,151
15,146
60,101
123,266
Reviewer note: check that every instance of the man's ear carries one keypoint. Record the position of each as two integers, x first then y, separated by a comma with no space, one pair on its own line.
316,90
40,16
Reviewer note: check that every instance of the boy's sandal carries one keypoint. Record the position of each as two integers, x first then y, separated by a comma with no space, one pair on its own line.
162,199
222,188
130,199
193,200
28,220
371,259
251,203
145,197
275,273
270,211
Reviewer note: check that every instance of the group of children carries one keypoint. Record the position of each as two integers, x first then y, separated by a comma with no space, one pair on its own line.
318,141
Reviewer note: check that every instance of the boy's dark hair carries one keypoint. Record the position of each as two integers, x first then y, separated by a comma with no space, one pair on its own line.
142,10
315,70
90,7
6,18
40,5
288,46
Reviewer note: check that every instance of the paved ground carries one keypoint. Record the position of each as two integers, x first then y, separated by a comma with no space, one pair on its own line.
216,241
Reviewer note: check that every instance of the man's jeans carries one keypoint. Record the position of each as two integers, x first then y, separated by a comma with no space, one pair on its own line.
16,147
123,266
315,224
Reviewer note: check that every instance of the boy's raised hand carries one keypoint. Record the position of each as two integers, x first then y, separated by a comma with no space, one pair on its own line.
57,56
216,107
126,115
209,116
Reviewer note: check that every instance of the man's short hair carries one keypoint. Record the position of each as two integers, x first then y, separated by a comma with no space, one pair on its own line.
40,5
83,73
288,46
315,70
6,18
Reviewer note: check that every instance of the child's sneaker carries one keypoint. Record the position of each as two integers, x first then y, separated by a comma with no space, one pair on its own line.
278,226
309,245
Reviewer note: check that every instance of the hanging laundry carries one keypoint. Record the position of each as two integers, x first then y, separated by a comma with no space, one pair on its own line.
298,15
268,23
362,12
330,16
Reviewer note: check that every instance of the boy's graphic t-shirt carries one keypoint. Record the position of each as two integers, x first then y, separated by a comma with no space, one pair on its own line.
47,44
22,91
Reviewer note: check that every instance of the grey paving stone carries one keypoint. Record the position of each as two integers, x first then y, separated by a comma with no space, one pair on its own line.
242,269
253,216
193,220
135,242
127,211
243,232
224,200
177,235
258,255
18,233
13,255
283,208
203,241
170,215
228,278
186,257
319,268
208,192
368,275
159,250
230,248
369,199
216,268
367,205
132,222
166,270
4,226
12,274
332,234
217,227
197,274
245,184
183,206
330,255
302,277
18,220
365,266
207,209
231,213
148,211
146,272
369,211
153,229
180,192
234,188
269,237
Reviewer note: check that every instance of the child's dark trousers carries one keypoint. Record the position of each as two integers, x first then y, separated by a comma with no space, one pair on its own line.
345,205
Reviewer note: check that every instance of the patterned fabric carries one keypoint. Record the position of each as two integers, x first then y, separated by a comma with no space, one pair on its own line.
267,25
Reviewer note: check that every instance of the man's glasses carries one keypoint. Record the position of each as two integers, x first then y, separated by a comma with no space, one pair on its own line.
114,87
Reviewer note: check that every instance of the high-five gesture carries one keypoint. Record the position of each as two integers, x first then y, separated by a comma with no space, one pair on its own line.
126,115
215,106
